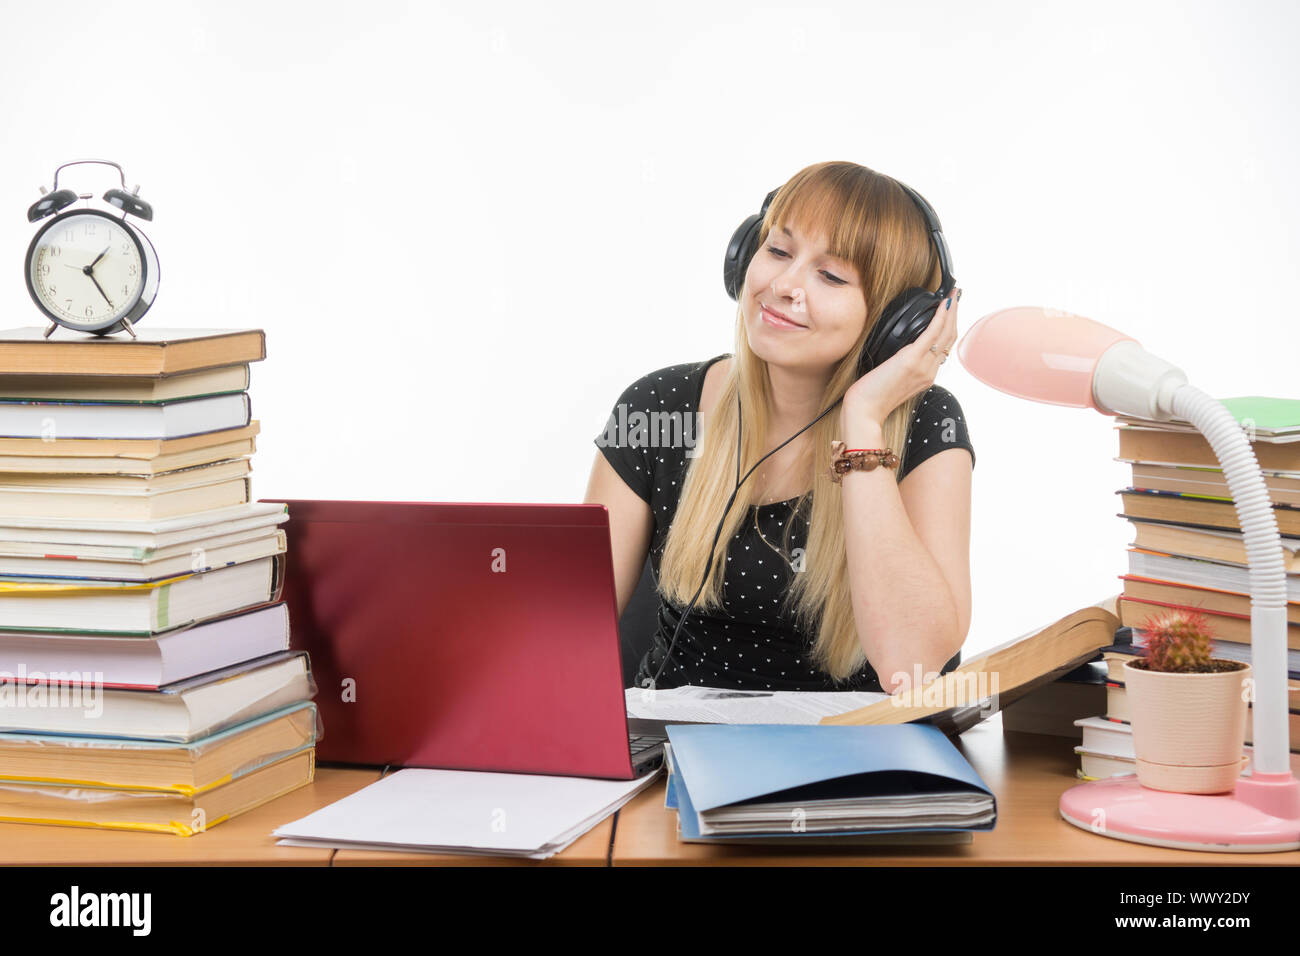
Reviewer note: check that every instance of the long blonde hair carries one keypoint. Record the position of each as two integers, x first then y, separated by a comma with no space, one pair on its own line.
869,220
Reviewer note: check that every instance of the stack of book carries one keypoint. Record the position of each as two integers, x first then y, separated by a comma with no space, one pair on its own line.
146,680
1188,552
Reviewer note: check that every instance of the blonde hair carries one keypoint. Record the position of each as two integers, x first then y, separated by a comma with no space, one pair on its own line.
870,221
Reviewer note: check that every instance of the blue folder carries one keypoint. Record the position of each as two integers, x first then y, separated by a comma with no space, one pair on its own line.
717,765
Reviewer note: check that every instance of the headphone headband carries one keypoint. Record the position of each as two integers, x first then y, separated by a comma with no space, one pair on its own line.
946,281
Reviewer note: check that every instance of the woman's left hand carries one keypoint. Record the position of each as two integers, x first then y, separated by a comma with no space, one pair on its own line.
910,371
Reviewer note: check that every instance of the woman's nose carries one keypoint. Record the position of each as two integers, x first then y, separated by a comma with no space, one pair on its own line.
787,284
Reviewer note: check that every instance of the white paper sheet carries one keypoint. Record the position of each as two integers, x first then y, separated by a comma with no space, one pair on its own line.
456,811
720,705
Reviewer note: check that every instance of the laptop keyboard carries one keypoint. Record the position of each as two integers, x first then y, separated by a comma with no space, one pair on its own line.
639,743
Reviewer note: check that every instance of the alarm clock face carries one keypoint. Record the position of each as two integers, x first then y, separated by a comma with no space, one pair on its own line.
87,269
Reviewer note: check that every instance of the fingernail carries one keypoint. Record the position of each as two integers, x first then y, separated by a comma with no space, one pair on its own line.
948,303
959,295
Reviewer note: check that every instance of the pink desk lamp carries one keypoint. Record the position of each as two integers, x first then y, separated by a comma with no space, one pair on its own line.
1063,359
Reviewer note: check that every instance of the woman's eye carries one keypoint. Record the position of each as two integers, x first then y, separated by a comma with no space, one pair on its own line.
830,277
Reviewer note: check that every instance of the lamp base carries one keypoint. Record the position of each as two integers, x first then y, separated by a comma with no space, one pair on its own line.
1261,815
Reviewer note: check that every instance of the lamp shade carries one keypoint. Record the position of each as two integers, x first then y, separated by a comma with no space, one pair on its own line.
1044,355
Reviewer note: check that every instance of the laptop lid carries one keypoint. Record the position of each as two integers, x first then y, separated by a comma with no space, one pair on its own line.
460,635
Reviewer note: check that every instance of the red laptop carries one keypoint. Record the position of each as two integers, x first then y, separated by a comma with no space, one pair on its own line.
462,636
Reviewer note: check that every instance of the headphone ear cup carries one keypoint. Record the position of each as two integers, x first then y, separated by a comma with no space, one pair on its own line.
741,249
49,205
901,324
130,204
739,253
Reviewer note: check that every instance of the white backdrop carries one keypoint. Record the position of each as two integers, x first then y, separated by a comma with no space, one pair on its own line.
466,227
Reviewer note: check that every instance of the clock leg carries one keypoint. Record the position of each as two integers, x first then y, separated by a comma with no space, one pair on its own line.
126,323
53,326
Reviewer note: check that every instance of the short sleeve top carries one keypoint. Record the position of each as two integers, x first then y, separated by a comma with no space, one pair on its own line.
753,642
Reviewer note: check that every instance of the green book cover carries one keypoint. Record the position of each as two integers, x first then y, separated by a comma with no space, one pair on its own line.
1276,415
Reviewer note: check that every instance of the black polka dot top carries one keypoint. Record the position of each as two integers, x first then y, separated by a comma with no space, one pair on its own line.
753,642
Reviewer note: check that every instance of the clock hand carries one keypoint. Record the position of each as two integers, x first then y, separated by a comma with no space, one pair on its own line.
100,256
98,286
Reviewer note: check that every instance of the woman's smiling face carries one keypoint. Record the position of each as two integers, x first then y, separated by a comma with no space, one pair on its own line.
802,307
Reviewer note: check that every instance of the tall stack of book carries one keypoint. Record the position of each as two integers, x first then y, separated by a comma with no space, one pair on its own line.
1188,552
146,681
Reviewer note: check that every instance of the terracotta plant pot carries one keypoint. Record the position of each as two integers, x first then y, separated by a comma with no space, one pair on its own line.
1189,730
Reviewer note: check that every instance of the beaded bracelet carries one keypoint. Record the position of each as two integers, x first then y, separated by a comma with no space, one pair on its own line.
858,459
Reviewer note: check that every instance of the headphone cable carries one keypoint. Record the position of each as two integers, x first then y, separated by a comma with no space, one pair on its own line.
653,682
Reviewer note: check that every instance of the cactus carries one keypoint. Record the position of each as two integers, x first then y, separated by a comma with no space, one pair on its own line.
1179,641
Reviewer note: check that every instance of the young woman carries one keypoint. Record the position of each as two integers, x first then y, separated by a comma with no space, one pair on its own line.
860,584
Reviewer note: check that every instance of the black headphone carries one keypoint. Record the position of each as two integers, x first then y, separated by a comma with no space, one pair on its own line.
50,203
901,323
903,319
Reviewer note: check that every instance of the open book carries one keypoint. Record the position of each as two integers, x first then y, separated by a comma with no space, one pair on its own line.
954,702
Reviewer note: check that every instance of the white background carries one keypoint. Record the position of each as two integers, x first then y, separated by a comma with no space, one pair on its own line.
466,227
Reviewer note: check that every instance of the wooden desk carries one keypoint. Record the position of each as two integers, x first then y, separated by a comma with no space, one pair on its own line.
1027,773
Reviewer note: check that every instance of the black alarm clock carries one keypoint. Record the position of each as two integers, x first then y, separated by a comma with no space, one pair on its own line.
88,269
